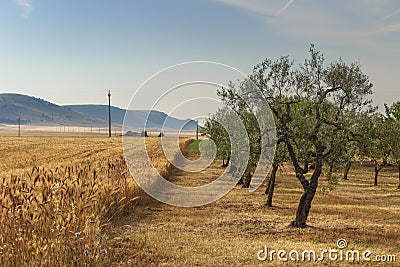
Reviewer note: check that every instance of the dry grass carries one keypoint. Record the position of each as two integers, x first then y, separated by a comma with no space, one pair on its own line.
232,230
39,219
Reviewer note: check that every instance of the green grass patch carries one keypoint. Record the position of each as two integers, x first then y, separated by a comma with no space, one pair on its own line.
193,147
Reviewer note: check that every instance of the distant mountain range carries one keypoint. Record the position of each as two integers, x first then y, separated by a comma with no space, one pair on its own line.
36,111
135,118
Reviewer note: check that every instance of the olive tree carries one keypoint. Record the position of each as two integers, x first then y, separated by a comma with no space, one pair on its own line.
349,145
309,104
392,118
377,142
280,158
215,131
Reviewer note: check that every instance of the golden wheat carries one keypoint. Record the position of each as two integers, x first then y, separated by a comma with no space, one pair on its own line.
53,215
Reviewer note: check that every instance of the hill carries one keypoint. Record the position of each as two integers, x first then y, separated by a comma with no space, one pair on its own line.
137,118
36,111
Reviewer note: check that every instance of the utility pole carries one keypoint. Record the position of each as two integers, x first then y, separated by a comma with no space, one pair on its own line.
197,130
109,113
19,126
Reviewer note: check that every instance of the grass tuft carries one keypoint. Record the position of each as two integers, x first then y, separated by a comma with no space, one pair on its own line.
193,147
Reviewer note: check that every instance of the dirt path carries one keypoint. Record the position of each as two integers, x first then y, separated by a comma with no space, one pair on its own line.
163,235
230,231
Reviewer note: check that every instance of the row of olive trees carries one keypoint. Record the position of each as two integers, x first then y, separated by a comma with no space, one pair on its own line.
323,117
393,120
375,137
380,142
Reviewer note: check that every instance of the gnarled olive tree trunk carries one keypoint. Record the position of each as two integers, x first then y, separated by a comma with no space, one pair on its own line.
377,169
399,178
271,185
225,163
268,186
347,170
310,188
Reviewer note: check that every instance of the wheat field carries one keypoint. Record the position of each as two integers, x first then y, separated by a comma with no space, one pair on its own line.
59,193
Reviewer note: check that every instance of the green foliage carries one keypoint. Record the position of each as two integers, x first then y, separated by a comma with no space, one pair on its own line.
193,147
332,182
393,112
392,125
313,106
376,141
216,132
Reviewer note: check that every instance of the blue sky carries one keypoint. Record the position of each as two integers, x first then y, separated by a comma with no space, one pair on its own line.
74,51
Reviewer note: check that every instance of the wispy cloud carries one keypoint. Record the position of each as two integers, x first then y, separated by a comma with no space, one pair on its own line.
252,6
283,9
392,14
329,21
262,7
26,6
